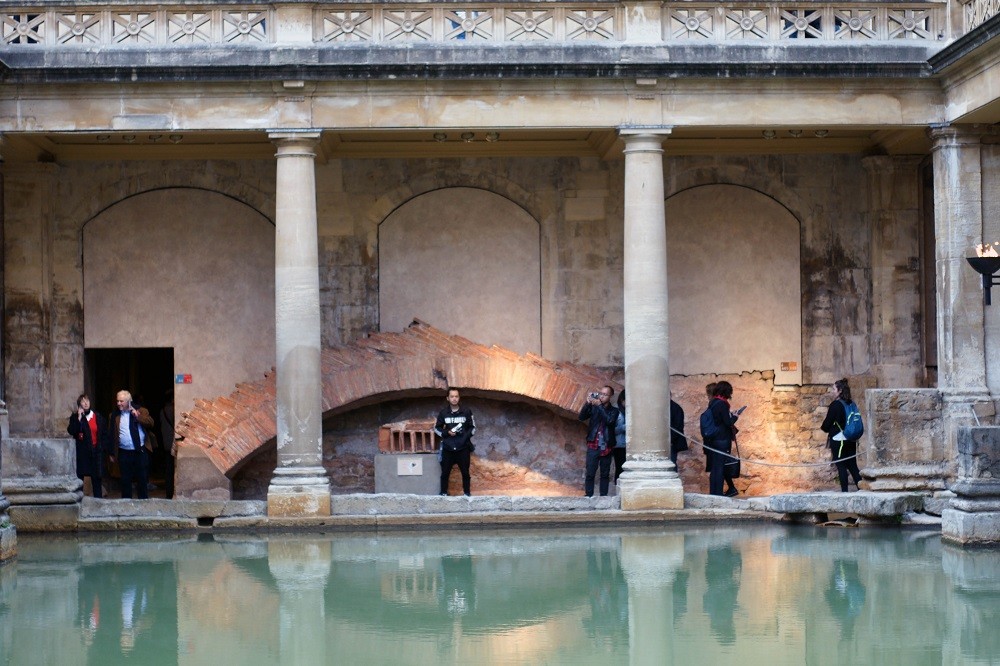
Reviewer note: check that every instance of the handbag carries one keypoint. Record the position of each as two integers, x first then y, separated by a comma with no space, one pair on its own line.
732,468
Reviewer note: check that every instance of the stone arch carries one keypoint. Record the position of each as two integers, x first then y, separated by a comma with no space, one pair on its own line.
170,176
735,298
467,260
420,361
199,278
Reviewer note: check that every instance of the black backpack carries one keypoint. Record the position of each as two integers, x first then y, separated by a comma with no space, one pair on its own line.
709,429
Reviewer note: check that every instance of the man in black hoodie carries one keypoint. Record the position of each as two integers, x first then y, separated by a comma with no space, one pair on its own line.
455,426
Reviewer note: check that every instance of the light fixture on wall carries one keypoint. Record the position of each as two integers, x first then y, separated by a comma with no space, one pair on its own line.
468,137
440,136
821,133
987,263
769,134
795,133
493,137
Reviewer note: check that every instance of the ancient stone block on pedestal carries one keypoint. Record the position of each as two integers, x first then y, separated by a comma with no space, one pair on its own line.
40,471
974,516
904,447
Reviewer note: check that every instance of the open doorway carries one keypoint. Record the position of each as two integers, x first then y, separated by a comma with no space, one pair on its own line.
148,374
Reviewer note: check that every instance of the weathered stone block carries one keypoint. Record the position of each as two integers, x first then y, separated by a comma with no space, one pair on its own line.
197,477
45,517
970,529
905,446
298,502
979,454
418,473
860,503
39,471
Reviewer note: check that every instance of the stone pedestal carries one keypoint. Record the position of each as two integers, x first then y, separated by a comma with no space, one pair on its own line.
650,479
905,445
974,516
650,482
39,480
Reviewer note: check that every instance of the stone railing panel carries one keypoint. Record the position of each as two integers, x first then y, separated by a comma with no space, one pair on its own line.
905,447
149,25
977,12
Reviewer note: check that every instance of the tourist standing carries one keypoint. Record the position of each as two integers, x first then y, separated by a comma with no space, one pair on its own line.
678,442
724,420
844,451
455,426
131,448
90,432
600,438
619,451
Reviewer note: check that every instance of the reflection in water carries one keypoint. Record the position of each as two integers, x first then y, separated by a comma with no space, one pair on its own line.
845,594
722,587
770,595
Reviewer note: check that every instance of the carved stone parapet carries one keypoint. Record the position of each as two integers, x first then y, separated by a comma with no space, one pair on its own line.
40,471
905,445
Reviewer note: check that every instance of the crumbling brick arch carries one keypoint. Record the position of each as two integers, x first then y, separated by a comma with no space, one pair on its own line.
221,435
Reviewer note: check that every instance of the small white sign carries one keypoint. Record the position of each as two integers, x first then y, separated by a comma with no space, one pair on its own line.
410,466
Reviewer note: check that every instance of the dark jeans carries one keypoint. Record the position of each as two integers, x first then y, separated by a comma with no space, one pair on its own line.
449,458
619,453
134,466
718,471
850,465
595,460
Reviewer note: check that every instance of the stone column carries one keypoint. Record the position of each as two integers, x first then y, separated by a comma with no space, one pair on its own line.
300,485
974,515
958,228
650,480
8,534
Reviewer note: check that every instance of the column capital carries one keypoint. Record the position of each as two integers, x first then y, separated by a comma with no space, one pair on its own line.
291,142
948,135
640,138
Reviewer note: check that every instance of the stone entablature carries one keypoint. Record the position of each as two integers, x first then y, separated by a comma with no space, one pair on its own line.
146,24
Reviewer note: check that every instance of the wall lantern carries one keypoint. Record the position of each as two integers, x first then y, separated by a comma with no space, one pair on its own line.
986,266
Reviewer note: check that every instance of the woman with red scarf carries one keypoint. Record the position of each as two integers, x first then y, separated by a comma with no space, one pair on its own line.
725,423
90,432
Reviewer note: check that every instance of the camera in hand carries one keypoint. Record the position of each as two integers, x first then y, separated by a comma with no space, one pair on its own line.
595,396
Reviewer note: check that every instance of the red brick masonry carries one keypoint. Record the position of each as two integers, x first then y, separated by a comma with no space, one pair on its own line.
419,361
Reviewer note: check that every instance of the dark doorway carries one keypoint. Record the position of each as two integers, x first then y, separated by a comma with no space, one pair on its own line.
148,374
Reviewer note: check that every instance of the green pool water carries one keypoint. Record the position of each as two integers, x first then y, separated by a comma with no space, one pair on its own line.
701,595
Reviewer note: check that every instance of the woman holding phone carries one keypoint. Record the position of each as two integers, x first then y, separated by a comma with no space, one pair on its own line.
725,433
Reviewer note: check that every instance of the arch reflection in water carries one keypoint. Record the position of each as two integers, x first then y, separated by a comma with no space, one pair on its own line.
753,594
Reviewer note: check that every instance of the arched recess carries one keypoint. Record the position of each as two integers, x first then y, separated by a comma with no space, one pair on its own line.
189,269
734,283
465,260
420,361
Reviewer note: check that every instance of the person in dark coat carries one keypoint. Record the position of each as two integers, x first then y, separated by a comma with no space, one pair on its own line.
455,426
725,423
90,432
844,452
678,442
600,438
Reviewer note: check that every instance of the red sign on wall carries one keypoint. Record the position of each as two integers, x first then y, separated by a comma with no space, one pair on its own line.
182,379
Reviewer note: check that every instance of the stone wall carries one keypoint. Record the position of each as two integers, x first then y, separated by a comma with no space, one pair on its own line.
577,203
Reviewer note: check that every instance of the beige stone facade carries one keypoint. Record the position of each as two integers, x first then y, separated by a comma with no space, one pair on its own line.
819,202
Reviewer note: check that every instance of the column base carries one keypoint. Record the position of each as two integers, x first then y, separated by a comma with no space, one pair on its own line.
981,528
8,542
650,483
299,492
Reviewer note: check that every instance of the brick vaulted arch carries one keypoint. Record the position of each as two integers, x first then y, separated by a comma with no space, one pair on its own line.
419,361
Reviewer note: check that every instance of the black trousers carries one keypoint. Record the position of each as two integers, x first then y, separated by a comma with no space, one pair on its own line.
134,466
619,454
718,472
847,454
449,459
596,461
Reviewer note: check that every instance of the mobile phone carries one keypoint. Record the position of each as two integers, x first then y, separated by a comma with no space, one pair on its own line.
740,410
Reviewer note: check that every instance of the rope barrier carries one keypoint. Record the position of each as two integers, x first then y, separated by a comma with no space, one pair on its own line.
759,462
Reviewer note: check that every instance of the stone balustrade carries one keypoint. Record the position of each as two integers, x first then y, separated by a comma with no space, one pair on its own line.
144,24
977,12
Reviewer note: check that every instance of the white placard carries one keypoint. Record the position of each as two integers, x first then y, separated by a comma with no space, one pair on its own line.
410,466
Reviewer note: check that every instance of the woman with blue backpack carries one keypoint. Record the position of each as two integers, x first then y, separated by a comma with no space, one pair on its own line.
843,427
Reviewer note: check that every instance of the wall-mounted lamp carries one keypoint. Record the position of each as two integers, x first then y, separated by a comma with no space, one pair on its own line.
468,137
440,136
493,137
986,266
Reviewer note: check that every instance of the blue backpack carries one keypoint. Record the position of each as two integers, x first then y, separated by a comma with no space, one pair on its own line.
709,429
854,428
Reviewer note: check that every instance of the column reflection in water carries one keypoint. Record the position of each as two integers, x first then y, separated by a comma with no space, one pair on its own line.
973,613
301,568
650,564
